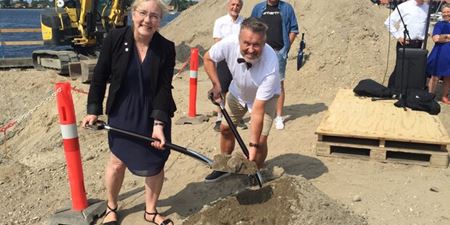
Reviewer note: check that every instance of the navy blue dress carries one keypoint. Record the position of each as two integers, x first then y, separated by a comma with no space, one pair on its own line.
439,59
131,111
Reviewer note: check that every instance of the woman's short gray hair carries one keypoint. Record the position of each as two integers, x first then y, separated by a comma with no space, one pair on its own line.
160,4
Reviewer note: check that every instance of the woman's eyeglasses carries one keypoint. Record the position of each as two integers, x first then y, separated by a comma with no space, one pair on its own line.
144,14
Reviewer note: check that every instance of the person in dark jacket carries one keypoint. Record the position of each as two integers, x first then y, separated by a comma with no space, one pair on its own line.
138,62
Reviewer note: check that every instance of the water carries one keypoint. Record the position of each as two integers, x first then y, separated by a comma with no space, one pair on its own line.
30,18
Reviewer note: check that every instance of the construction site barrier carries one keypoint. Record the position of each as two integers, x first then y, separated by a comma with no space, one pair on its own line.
193,83
69,133
181,69
13,122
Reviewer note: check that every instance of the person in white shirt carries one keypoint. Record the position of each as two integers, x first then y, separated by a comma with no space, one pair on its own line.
255,87
225,26
414,13
229,24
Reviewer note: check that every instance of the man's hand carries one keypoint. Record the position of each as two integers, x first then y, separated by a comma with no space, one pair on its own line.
402,41
216,94
211,70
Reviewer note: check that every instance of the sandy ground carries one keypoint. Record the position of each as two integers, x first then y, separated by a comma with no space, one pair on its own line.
346,42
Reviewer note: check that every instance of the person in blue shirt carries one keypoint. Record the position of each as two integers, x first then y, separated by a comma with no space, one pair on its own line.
283,28
438,65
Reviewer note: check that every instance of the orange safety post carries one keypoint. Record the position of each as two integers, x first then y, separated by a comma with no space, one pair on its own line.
71,145
193,83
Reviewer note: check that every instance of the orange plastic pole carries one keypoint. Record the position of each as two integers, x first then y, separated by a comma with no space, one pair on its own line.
193,83
69,133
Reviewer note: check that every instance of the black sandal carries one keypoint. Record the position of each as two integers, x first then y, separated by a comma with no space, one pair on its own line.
154,214
106,214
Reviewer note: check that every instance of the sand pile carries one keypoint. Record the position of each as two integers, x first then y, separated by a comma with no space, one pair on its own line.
344,34
287,200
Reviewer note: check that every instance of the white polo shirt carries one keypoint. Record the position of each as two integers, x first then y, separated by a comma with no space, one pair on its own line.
415,17
261,81
225,26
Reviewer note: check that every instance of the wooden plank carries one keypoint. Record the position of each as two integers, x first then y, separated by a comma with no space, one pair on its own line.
371,143
21,43
406,150
20,30
438,159
352,116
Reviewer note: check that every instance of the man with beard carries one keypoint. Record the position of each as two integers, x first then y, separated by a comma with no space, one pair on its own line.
255,87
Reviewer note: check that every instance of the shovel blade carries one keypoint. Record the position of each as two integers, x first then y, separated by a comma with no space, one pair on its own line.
236,163
300,60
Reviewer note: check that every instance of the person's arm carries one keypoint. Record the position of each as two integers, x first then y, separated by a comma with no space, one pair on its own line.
158,133
438,36
211,70
292,37
97,88
293,29
256,124
391,23
216,53
163,101
216,31
441,38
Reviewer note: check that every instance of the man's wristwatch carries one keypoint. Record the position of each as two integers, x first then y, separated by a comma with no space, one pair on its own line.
253,145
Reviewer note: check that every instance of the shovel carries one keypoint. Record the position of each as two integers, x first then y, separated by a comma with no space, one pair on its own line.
220,163
257,174
301,54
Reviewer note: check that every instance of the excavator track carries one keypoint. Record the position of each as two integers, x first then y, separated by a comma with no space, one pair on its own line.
55,60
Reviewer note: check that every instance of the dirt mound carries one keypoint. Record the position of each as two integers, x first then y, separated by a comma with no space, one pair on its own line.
287,200
346,41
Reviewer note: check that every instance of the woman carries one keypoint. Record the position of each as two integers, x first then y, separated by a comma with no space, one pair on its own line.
139,64
439,59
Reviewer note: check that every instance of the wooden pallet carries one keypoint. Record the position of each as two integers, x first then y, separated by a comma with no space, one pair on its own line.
361,128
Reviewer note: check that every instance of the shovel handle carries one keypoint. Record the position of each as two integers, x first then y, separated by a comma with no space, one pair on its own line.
100,125
236,134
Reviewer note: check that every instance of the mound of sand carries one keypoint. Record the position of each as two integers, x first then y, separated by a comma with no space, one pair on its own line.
287,200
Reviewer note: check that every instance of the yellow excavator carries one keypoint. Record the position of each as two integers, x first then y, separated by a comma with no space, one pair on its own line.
81,24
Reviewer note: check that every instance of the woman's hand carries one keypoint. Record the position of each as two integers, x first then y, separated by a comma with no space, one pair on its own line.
89,119
158,133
